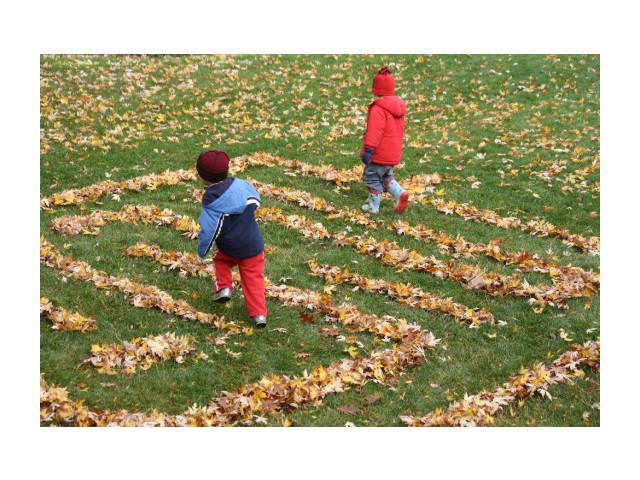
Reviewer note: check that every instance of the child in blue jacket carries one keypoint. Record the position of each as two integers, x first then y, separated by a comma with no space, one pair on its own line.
227,218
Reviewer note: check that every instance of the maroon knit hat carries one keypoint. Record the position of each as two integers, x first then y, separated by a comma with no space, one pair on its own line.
213,165
383,82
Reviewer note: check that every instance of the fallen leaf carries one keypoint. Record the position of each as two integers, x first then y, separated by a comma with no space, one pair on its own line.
329,331
349,409
353,351
372,398
306,317
564,336
476,281
233,354
329,289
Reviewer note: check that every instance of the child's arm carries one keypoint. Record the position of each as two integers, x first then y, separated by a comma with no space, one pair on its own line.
365,156
375,128
210,227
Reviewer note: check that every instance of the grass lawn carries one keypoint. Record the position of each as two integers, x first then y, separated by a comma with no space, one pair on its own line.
517,135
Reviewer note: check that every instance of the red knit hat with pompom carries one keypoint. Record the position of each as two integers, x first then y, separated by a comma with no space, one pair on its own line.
213,165
383,82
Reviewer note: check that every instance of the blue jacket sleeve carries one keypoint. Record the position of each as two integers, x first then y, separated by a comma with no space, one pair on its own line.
210,224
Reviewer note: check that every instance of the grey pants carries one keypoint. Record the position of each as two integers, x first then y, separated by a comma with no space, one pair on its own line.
377,177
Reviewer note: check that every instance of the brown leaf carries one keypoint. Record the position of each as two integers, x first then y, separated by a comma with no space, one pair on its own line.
349,409
306,317
372,398
476,281
329,331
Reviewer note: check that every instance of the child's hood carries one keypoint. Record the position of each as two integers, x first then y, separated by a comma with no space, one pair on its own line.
234,199
392,104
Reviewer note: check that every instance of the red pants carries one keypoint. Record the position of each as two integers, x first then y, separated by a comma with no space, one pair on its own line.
251,278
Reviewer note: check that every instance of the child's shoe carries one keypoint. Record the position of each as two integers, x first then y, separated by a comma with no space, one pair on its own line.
373,204
401,196
223,295
260,321
402,203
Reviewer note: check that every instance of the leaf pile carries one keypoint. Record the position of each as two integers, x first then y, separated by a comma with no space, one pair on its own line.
183,262
64,320
347,314
271,393
405,294
305,227
328,173
525,260
575,282
541,228
73,225
415,185
541,133
139,353
528,262
92,192
586,281
478,410
147,214
470,276
141,295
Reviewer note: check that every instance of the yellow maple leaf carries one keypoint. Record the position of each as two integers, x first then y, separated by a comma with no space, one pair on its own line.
329,289
353,351
564,336
247,331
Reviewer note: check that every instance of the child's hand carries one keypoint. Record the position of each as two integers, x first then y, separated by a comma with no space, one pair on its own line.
366,155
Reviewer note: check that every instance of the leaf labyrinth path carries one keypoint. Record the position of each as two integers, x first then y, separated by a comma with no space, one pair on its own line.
251,402
415,185
139,353
64,320
576,283
480,409
248,404
191,264
146,296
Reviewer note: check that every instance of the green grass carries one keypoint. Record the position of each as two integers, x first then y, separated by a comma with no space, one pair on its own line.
149,114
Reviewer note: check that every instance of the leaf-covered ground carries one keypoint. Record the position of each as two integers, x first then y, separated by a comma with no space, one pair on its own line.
478,306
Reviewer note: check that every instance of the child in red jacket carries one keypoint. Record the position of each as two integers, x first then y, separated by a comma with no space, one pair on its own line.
382,147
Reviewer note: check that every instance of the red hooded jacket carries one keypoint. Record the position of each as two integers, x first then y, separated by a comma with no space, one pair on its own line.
385,130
